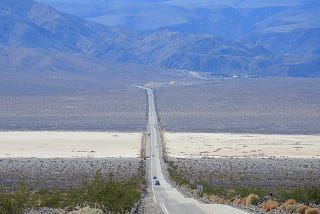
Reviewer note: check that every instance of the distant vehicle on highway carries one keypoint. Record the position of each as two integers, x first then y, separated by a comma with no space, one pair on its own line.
154,177
157,183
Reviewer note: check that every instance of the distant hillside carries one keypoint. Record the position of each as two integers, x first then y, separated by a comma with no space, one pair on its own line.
226,19
288,29
34,71
28,24
210,54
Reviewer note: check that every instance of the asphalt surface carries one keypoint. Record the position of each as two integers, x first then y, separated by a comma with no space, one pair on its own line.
170,200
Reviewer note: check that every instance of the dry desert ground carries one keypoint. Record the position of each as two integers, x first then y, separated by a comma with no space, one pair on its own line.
198,145
246,159
43,144
60,159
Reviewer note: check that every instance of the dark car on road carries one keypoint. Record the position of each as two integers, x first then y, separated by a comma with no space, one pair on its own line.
157,183
154,177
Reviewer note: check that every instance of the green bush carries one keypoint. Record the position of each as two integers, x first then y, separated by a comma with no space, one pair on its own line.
300,194
16,203
103,193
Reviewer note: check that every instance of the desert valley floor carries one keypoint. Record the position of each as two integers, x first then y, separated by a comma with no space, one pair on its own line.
32,156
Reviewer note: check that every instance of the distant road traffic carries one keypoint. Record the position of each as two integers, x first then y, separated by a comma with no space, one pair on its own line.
169,199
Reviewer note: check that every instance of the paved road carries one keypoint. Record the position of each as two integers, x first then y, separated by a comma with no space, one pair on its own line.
170,200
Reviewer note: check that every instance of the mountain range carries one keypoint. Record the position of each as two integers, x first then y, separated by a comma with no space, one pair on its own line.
230,38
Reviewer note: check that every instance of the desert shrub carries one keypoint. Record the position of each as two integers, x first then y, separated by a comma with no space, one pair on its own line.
107,194
53,200
104,193
244,191
252,199
302,209
300,194
176,177
312,211
18,201
269,205
291,208
287,203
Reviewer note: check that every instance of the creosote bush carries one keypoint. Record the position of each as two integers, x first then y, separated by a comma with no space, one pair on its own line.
102,193
303,195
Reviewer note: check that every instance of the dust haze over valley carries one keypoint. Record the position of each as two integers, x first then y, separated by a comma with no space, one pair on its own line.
236,86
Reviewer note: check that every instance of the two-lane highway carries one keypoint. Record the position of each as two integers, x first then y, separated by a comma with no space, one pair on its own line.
170,200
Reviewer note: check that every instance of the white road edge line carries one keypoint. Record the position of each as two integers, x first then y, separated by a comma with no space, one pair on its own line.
164,209
154,198
151,175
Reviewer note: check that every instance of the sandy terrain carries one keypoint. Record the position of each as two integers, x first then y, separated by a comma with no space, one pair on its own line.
69,144
195,145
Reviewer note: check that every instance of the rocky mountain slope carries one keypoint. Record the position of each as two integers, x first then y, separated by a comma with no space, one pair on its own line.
29,24
33,71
